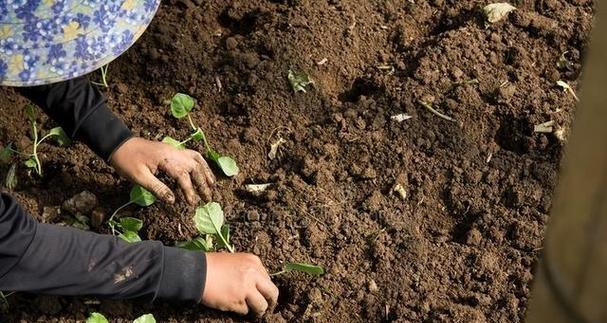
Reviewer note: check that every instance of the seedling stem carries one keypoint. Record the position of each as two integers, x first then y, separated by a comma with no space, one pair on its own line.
103,70
191,122
111,221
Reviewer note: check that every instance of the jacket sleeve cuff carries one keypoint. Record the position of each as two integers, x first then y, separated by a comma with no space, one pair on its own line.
103,132
184,275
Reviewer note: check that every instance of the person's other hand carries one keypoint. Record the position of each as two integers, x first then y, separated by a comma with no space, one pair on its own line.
140,160
238,283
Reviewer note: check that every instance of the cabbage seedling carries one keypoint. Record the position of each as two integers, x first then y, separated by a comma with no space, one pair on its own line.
309,269
127,227
96,318
146,318
209,220
99,318
57,133
299,81
181,106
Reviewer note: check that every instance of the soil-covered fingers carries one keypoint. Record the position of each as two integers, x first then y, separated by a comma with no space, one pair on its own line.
269,291
203,167
155,186
181,173
204,188
185,182
257,303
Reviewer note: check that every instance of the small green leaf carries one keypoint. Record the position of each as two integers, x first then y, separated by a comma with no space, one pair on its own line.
209,218
147,318
31,163
198,135
11,178
60,136
173,142
228,166
197,244
299,81
96,318
130,236
131,224
30,112
225,232
6,153
181,105
305,268
141,196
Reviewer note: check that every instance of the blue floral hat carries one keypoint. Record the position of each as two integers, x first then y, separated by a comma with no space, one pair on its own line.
47,41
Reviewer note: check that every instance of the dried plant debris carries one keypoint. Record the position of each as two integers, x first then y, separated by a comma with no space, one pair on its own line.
546,127
498,11
401,117
567,88
274,148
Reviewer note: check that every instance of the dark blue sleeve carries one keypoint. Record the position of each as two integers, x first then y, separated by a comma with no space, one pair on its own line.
81,110
49,259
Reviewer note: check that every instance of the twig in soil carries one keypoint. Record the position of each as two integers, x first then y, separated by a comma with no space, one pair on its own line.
431,109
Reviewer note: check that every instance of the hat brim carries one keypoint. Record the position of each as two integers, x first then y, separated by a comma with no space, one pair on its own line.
77,41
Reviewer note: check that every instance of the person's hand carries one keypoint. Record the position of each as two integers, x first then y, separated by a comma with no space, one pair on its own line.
238,283
139,160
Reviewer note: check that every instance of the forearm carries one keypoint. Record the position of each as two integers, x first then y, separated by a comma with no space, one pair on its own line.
81,110
57,260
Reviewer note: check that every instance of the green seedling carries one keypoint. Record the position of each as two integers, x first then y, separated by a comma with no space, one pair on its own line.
299,81
96,318
57,133
181,106
198,244
434,111
99,318
103,70
146,318
128,227
209,221
309,269
4,297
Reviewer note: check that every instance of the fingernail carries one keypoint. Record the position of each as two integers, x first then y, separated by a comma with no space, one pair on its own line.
170,198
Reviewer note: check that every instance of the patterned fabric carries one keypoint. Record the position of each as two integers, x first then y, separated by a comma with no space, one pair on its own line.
47,41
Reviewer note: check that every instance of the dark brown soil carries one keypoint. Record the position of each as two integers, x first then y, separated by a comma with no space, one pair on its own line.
460,248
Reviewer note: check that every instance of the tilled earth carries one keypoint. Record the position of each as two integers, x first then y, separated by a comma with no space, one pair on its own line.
459,247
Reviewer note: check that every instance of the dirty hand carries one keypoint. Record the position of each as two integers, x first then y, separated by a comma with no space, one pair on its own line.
139,160
238,283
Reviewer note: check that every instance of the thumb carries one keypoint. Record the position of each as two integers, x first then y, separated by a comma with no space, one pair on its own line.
158,188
